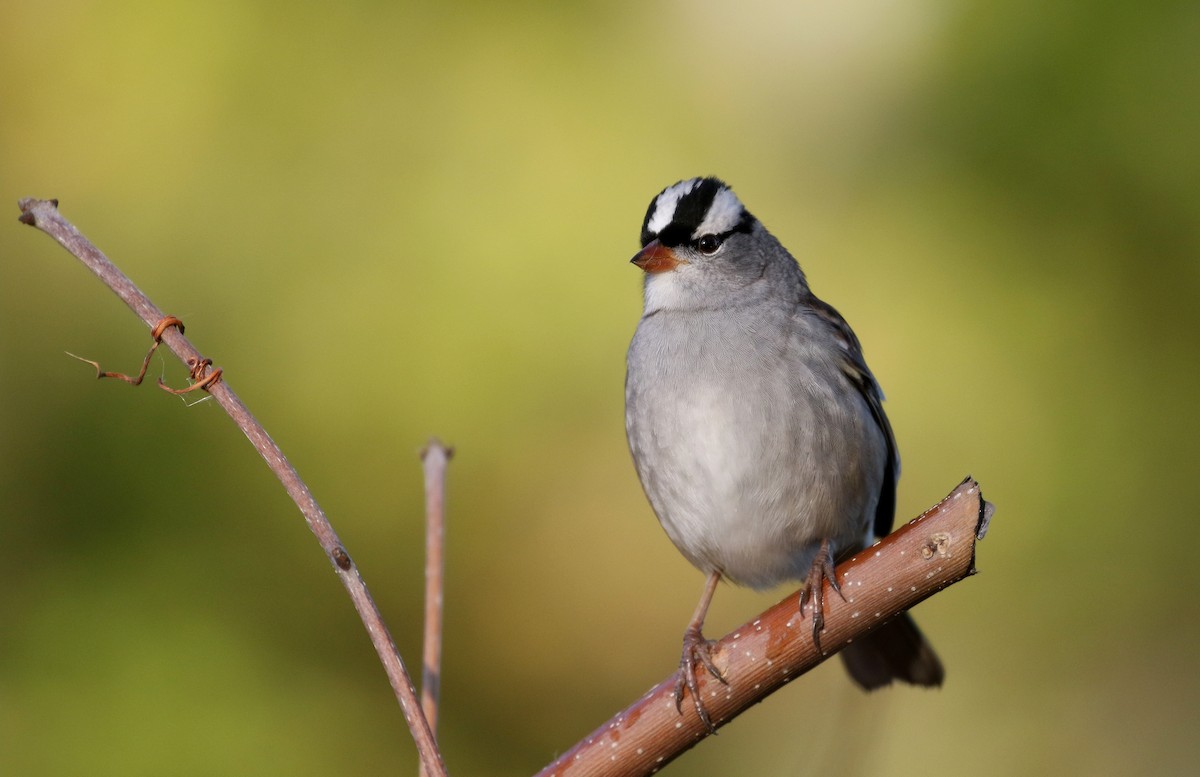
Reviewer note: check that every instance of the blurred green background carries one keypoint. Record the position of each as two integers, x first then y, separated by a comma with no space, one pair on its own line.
387,221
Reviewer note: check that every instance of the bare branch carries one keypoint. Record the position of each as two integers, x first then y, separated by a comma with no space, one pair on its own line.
44,215
434,458
923,557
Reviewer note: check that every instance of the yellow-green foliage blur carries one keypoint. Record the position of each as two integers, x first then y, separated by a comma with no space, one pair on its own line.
387,221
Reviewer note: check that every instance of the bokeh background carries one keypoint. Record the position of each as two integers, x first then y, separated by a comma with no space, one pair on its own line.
392,220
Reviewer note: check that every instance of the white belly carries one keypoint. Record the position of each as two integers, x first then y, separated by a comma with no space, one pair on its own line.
729,461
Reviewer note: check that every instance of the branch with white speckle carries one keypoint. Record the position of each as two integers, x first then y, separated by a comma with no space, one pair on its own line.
923,557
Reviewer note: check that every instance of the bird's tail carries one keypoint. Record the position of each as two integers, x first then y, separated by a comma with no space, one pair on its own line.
895,651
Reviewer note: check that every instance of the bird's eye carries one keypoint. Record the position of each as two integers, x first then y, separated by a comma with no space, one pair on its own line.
708,244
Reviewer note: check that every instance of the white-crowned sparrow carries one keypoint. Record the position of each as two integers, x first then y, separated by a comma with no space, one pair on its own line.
757,429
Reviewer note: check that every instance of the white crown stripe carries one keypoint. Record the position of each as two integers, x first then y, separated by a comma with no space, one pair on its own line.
723,215
665,204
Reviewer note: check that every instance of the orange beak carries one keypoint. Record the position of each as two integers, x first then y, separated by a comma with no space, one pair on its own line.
656,258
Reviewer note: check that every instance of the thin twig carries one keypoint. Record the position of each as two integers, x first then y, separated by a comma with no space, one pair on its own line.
434,458
923,557
44,215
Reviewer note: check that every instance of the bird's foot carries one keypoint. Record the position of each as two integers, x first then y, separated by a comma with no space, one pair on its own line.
696,651
814,590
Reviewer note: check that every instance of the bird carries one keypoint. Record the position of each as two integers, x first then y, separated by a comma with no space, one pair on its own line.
755,426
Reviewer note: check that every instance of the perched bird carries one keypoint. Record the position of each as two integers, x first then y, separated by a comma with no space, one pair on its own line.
756,428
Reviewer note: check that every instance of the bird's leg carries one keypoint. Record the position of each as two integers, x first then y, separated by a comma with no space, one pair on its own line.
697,649
814,589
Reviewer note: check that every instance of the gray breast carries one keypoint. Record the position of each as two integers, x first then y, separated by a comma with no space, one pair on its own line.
749,445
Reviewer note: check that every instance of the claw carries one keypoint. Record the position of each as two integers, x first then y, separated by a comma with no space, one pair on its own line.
696,650
814,590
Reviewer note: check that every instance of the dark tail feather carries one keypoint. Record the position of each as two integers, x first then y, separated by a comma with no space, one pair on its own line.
895,651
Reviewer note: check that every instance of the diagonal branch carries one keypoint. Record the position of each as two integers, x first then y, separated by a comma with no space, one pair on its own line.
921,558
930,553
44,215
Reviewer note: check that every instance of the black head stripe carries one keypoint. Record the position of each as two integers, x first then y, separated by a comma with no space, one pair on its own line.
686,212
693,207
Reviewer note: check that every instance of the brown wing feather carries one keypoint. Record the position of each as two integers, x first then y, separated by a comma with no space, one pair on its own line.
854,367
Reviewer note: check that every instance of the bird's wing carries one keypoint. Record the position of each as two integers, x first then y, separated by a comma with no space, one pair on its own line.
854,367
